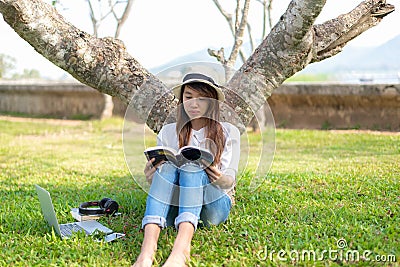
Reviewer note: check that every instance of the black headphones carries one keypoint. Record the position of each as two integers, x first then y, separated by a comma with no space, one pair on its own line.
105,206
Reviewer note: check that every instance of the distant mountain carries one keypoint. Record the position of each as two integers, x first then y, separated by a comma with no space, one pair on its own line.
384,58
201,55
347,60
198,56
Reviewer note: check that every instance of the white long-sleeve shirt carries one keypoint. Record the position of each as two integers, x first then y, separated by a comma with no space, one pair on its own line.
230,155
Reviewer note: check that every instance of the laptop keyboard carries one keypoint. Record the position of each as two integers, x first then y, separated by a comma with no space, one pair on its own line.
68,229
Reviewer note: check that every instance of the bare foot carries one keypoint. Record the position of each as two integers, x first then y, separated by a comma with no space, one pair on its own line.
177,260
143,261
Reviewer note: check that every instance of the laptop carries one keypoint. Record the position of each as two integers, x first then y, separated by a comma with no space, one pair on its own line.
66,230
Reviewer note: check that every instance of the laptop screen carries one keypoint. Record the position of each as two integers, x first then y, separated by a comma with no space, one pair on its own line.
48,208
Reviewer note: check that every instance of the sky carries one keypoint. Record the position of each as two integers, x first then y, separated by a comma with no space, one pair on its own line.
158,31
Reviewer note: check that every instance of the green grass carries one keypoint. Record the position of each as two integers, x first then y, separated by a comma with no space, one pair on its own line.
323,186
310,78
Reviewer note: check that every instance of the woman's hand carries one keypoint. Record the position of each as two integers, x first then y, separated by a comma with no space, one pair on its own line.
214,174
149,169
217,177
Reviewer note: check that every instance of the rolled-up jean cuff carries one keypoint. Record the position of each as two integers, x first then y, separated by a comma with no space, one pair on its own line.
160,221
186,217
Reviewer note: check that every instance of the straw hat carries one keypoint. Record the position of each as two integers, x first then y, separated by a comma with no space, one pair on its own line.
198,78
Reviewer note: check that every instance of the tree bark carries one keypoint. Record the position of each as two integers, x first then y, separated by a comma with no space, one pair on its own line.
292,44
104,64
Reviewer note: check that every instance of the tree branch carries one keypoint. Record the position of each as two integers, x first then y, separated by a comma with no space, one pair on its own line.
333,35
252,43
124,17
226,15
101,63
237,12
238,39
219,55
93,19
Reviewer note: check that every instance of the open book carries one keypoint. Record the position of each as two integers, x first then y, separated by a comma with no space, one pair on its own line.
194,154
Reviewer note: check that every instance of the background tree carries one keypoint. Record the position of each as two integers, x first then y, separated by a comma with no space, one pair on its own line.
101,12
103,63
238,23
27,74
7,63
119,10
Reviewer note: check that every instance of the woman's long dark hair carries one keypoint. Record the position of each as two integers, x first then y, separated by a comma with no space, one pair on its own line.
214,129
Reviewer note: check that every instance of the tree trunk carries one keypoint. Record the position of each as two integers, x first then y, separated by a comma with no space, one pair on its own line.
104,64
108,107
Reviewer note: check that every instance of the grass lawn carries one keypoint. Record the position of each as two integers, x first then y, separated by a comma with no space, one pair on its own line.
330,195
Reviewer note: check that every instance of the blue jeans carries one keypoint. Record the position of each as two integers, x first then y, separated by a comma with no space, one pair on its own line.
184,195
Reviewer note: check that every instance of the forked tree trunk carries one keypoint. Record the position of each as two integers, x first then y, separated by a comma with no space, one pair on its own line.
104,64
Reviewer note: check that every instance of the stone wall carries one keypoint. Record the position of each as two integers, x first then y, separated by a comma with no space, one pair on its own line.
314,106
53,99
322,106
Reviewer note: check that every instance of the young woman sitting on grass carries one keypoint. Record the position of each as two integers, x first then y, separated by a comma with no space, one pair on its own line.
192,194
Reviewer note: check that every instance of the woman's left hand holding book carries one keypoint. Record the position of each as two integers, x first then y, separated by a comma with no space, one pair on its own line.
217,177
149,169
